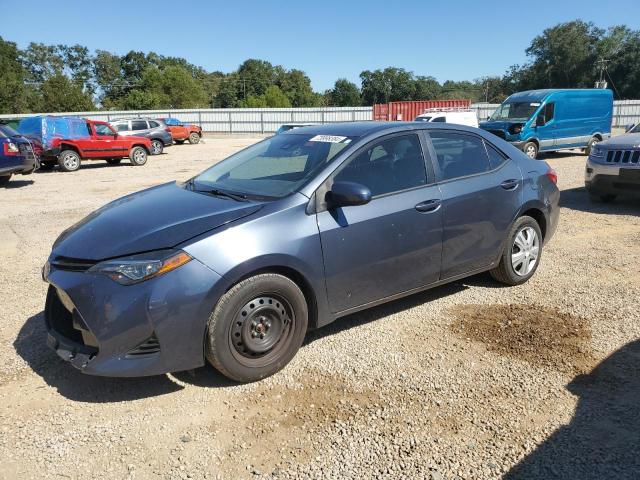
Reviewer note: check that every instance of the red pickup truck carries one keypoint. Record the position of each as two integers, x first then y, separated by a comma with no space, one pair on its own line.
182,131
66,141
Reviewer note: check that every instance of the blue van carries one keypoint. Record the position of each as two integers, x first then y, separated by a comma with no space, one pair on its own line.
553,119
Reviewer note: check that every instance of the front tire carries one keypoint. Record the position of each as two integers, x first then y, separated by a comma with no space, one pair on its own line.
69,161
194,138
257,327
138,156
156,147
592,142
530,149
522,253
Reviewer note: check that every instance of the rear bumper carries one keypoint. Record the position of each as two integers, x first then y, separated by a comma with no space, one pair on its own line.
150,328
24,164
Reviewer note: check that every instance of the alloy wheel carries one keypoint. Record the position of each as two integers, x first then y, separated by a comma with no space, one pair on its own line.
525,251
70,161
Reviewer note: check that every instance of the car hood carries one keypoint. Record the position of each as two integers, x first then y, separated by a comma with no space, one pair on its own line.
496,125
153,219
628,140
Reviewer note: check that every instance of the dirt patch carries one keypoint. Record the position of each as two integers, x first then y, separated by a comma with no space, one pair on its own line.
275,425
538,335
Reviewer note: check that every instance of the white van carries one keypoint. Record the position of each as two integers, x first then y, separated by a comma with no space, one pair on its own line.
460,117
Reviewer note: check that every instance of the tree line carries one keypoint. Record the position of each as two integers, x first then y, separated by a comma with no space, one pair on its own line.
58,78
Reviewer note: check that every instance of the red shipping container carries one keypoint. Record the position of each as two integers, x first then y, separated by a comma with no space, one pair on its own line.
409,110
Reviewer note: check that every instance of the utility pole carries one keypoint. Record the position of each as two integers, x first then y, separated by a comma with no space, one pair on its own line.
602,66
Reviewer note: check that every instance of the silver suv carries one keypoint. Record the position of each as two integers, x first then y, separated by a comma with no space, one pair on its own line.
613,167
151,128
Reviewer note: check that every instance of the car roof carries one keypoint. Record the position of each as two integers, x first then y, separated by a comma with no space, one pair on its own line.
364,129
541,94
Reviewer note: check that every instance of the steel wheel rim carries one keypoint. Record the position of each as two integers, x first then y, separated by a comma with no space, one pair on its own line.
139,156
525,251
262,329
70,161
531,151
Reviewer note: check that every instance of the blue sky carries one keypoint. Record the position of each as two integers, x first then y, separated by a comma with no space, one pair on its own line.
455,40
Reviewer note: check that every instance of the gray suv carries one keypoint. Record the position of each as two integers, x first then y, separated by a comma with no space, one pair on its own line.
151,128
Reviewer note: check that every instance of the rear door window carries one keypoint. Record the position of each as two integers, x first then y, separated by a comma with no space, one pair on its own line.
122,126
439,119
138,125
496,158
153,124
459,155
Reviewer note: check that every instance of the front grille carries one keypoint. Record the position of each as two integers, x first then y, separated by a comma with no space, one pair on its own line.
68,325
498,133
624,156
150,346
72,264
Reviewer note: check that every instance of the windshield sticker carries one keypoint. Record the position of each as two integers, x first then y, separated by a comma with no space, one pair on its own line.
329,139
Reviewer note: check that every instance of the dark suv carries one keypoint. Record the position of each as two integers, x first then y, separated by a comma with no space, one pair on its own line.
154,130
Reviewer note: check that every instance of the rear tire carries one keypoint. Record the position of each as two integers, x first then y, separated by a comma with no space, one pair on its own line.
517,263
530,149
4,180
69,161
194,138
138,156
156,147
257,327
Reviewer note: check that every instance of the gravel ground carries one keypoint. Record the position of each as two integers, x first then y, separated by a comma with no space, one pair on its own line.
470,380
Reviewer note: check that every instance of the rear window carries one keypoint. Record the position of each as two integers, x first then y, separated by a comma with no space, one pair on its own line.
153,124
6,131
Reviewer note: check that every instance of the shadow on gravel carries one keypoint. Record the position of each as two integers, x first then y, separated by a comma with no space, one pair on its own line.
578,199
18,184
384,310
69,382
603,439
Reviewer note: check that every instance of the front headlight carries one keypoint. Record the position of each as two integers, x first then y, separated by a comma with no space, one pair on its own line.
138,268
597,151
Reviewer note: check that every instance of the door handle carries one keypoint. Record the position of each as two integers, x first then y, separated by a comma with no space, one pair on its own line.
510,184
428,206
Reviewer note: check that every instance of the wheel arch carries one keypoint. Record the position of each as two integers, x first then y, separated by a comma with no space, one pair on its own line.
70,146
148,150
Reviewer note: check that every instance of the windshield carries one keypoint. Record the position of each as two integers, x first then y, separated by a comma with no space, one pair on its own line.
7,132
275,167
520,111
422,119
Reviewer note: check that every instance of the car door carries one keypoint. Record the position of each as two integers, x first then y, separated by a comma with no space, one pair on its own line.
139,128
393,243
108,143
547,128
481,195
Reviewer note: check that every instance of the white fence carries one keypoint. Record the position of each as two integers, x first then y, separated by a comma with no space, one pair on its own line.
267,120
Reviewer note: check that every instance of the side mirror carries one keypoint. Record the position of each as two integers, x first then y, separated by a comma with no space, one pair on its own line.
347,194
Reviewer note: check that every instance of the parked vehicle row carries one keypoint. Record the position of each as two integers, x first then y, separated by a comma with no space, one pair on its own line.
48,141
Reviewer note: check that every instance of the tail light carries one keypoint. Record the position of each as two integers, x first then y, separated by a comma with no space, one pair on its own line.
10,148
552,175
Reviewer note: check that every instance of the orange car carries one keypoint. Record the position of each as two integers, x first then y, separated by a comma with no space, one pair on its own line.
182,131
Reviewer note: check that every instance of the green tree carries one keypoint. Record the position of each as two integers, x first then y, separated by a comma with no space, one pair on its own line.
15,96
60,94
426,88
344,94
388,85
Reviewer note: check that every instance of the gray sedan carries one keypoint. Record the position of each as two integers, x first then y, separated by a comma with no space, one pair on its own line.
235,265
